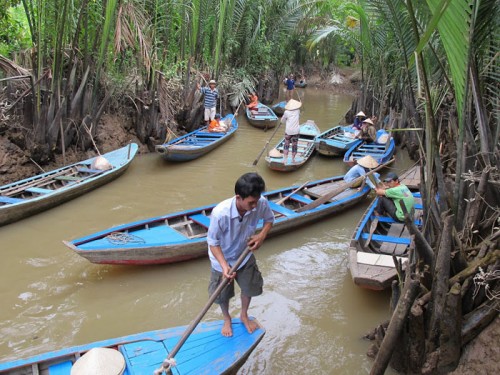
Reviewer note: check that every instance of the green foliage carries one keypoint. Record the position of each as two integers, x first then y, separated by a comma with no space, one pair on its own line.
14,32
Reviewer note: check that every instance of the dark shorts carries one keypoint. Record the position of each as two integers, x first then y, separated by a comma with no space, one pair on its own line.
248,278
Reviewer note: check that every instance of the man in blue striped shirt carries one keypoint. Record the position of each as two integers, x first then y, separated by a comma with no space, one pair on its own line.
211,95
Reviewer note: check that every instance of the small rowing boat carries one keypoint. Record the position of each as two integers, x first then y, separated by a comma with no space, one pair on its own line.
262,118
336,141
182,235
197,143
307,136
38,193
205,352
382,150
279,108
377,239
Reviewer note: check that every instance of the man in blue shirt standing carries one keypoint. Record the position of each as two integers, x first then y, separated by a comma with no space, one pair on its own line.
210,103
232,228
290,86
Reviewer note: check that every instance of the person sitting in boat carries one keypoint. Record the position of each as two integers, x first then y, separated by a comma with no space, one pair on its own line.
368,132
254,102
292,128
358,120
232,229
216,126
393,198
362,167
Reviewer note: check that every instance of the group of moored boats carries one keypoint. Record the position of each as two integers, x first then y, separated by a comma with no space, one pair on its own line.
376,243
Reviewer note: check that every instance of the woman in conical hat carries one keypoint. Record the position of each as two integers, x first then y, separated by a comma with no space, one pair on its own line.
292,128
363,166
358,120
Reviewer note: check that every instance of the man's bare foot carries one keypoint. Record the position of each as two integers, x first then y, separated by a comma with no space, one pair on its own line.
227,329
250,325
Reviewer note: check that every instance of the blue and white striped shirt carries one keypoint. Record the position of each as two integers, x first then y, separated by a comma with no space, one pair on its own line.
210,96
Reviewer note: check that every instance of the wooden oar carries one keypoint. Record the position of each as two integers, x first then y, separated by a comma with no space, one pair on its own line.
169,361
292,193
267,144
373,226
326,197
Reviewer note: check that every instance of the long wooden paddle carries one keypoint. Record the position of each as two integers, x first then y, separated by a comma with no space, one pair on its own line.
292,193
336,191
169,361
373,226
267,144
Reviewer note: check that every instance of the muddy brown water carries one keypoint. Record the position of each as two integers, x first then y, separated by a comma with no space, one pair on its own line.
314,316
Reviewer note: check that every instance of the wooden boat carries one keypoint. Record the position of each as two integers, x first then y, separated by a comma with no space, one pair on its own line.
381,152
205,352
305,149
262,118
279,108
197,143
371,262
336,141
182,235
38,193
301,84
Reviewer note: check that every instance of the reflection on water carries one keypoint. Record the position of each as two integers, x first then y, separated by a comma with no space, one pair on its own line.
313,314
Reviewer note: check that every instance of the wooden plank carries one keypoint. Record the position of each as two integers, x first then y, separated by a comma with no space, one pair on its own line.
38,190
10,200
201,219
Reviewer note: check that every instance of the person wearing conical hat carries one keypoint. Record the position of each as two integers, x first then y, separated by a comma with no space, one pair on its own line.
361,168
292,128
368,132
358,120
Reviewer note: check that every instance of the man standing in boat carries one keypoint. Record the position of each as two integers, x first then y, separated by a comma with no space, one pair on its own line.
393,198
232,228
290,86
210,102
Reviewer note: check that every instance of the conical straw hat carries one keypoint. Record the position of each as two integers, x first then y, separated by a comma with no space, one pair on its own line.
368,162
99,361
368,121
293,104
360,113
274,153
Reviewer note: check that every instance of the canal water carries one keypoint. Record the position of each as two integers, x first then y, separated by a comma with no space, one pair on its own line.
314,316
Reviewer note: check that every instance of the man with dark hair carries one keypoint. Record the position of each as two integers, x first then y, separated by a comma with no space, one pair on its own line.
392,198
232,229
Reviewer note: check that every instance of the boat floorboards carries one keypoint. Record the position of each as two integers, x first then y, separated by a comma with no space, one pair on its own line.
397,230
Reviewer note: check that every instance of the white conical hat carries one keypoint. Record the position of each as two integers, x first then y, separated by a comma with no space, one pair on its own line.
274,153
99,361
368,121
293,104
368,162
360,113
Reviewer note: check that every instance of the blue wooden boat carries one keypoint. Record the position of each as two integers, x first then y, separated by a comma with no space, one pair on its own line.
377,239
262,118
206,351
382,152
336,141
197,143
38,193
307,136
279,108
183,235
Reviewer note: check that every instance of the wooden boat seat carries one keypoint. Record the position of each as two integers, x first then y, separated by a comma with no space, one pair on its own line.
136,354
63,368
301,198
390,220
91,171
280,209
10,200
38,190
201,219
67,178
382,260
390,239
208,134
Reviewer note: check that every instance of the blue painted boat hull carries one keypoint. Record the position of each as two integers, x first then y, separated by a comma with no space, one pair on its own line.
197,143
182,235
279,108
336,141
206,351
38,193
382,153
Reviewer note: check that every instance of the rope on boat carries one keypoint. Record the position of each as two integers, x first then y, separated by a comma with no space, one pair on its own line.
167,364
119,238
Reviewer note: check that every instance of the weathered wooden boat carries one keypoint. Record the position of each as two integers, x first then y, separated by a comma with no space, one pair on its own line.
197,143
378,238
305,149
382,150
262,118
206,351
182,235
301,84
38,193
279,108
336,141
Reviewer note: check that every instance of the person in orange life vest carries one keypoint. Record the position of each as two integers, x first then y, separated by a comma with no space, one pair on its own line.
254,102
216,126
